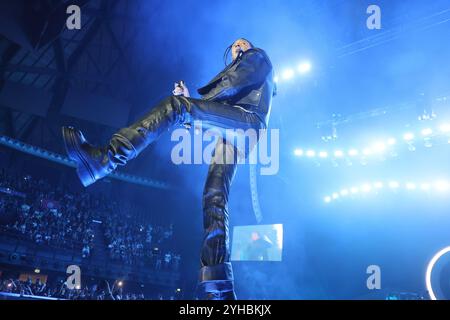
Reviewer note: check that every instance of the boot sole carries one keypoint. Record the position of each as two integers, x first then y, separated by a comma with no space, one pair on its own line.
84,172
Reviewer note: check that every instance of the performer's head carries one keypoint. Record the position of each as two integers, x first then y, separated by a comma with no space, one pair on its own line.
240,45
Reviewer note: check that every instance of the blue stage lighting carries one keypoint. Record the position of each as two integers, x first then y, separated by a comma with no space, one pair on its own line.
353,152
354,190
441,186
298,152
391,141
425,186
427,131
323,154
445,127
338,154
367,151
366,188
411,186
378,185
409,136
310,153
288,74
379,147
394,185
304,67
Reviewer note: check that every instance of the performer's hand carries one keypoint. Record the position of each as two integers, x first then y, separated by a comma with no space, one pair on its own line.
180,89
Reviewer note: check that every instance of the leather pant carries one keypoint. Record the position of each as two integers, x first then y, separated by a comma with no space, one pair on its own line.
216,275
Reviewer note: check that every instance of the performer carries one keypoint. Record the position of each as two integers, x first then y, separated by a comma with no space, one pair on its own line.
239,97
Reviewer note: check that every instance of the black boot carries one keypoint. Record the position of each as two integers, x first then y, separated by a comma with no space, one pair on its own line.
95,163
216,282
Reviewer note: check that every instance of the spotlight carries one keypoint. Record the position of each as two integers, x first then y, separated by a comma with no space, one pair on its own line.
178,290
425,186
298,152
344,192
276,79
394,185
77,287
408,136
335,195
441,186
323,154
310,153
410,186
367,151
9,285
366,187
379,147
354,190
353,152
378,185
288,74
445,127
120,283
391,141
427,132
37,270
338,154
304,67
327,199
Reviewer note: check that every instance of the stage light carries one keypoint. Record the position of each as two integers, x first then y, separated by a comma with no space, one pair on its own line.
344,192
298,152
441,186
178,290
327,199
410,186
445,127
276,79
427,132
367,151
354,190
425,186
408,136
335,195
9,285
366,187
304,67
37,270
391,141
323,154
338,154
120,283
310,153
288,74
394,185
353,152
430,267
378,185
379,147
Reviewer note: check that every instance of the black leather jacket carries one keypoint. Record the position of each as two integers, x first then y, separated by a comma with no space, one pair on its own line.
246,82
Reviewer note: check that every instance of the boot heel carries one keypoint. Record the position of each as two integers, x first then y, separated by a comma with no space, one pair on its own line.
85,175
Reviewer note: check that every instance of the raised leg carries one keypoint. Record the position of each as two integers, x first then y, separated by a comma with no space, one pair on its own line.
95,163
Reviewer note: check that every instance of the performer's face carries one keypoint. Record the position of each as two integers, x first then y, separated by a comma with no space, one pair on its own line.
238,46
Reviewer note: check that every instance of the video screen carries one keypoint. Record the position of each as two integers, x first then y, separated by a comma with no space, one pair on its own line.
257,243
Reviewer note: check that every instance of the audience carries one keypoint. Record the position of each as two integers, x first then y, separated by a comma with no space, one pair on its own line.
50,216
